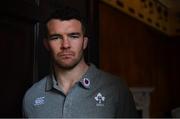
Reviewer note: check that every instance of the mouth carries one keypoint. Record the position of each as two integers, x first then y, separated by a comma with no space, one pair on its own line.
65,55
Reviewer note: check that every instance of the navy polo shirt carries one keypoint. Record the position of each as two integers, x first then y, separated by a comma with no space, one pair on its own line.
96,95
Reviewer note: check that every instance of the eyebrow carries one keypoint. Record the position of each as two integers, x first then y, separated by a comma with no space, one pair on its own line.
75,33
54,35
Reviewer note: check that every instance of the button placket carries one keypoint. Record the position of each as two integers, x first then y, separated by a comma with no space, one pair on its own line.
67,106
66,109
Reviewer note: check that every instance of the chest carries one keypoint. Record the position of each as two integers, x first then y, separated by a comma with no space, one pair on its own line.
94,104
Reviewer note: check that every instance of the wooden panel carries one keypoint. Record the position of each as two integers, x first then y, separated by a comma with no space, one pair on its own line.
124,47
141,55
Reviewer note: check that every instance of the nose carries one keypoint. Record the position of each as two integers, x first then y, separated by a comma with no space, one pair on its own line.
65,43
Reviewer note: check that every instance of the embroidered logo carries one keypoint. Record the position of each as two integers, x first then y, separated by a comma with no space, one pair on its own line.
99,99
39,101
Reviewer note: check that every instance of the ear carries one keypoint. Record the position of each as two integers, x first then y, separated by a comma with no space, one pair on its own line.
45,42
85,42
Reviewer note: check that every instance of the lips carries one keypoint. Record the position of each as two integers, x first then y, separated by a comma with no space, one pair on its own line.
65,54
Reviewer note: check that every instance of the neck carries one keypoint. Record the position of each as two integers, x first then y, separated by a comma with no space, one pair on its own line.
67,78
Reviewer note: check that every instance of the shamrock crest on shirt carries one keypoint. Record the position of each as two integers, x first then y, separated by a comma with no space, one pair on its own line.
99,100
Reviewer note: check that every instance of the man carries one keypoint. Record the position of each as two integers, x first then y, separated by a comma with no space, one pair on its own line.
75,88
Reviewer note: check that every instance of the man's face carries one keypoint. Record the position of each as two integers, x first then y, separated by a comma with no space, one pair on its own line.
65,42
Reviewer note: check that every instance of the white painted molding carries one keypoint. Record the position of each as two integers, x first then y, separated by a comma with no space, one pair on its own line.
142,99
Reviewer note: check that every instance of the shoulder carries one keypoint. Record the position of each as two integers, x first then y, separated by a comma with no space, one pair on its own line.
109,78
37,88
105,78
110,82
36,91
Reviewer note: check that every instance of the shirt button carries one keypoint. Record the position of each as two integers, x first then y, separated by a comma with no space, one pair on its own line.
86,82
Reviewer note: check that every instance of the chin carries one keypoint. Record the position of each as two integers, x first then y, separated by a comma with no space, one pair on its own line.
67,65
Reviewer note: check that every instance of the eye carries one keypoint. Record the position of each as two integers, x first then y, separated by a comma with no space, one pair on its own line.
74,36
55,37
